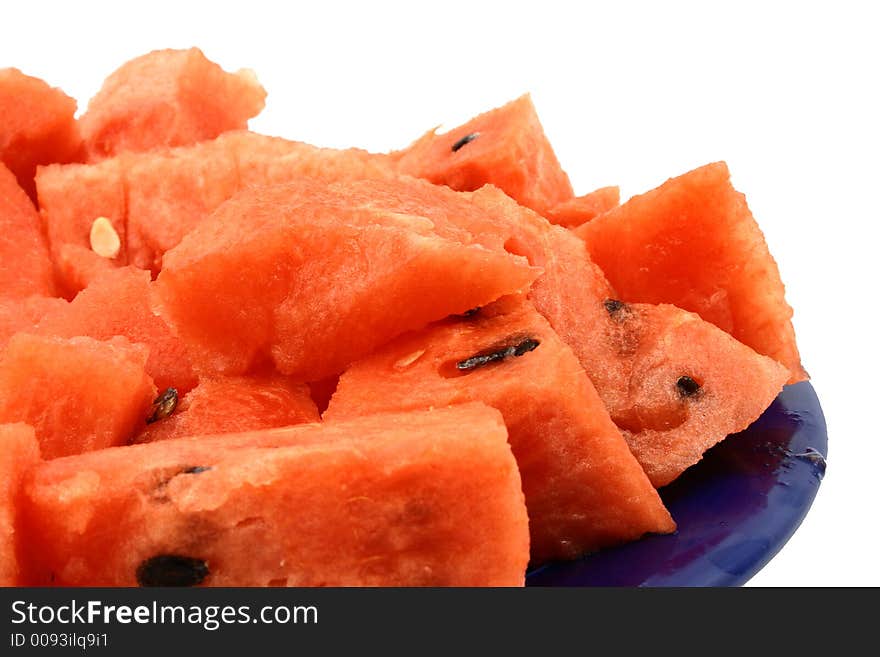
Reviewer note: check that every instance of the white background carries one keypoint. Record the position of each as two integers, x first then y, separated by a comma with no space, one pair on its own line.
629,94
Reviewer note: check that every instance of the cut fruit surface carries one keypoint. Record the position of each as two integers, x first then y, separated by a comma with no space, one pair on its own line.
118,302
168,98
233,405
37,127
584,490
19,453
505,147
693,242
416,499
682,386
77,394
25,268
322,268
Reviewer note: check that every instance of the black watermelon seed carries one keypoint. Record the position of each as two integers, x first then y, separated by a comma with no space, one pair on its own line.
497,353
199,469
163,405
172,570
471,312
687,387
467,139
614,306
525,347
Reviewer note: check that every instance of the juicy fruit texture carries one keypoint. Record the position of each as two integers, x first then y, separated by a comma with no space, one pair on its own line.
71,198
683,386
584,490
234,405
24,314
428,499
37,127
693,242
320,274
571,290
154,199
19,453
263,160
505,147
117,302
78,394
168,98
25,268
581,209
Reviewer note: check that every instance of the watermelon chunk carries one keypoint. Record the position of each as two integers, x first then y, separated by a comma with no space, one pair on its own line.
234,405
37,127
24,314
25,268
581,209
583,488
168,98
118,303
505,147
414,499
693,242
153,199
319,277
683,386
170,195
19,453
263,160
78,394
72,198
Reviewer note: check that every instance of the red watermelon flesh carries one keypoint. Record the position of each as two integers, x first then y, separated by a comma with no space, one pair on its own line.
37,126
263,160
570,291
505,147
584,490
19,453
118,302
234,405
170,195
417,499
78,394
581,209
685,386
575,298
693,242
168,98
77,267
24,314
25,268
153,199
319,280
71,198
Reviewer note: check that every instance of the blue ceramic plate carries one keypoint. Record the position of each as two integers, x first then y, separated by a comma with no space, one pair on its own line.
735,509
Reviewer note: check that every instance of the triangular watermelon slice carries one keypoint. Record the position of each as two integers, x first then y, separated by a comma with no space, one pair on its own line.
415,499
505,147
682,385
282,272
584,490
693,242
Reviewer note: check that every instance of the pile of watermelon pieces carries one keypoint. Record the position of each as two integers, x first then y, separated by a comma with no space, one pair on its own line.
228,358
